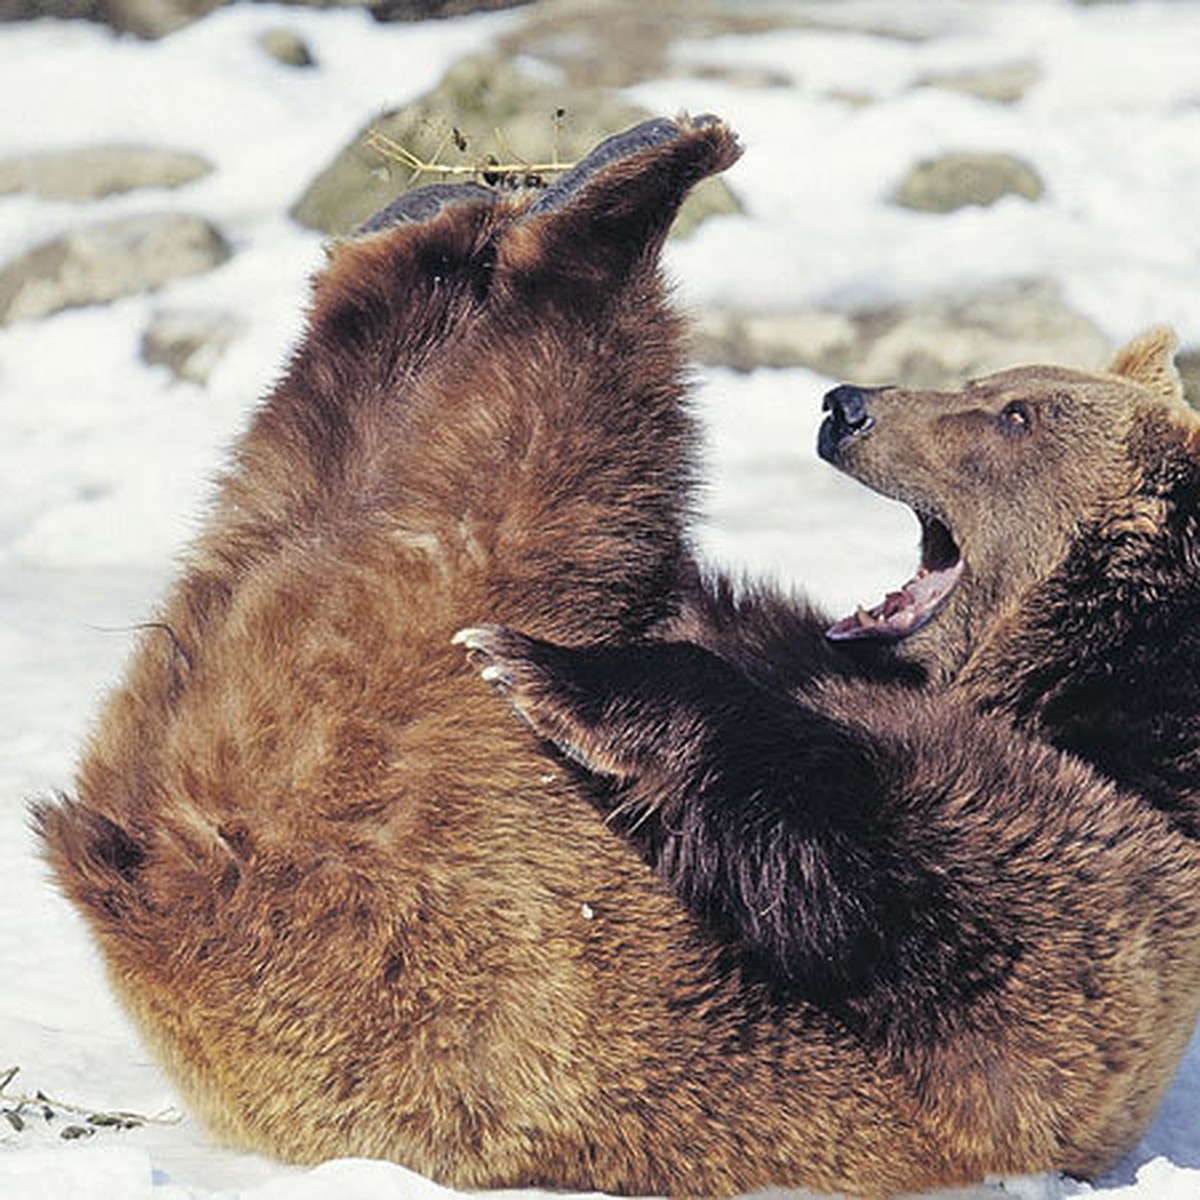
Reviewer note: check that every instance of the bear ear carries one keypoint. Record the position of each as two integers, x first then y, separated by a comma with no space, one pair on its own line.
1150,360
611,212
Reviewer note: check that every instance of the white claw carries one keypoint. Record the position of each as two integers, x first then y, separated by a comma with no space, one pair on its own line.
473,637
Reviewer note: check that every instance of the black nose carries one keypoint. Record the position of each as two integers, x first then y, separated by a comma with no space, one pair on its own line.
848,409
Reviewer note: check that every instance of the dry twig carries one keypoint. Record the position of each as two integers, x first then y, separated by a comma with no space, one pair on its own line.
489,169
17,1108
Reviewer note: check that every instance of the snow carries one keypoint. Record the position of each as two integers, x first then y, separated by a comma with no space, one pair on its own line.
107,462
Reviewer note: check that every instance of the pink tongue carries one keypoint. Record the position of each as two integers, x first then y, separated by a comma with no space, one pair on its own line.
903,612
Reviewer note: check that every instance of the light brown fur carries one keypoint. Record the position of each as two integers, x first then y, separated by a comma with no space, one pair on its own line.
1015,510
358,910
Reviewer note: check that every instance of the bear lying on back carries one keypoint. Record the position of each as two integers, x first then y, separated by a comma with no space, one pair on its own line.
359,910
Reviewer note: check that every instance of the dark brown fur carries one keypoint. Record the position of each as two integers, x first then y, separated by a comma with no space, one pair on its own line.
791,802
358,910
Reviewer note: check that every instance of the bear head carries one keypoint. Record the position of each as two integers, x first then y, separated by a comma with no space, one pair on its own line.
1010,477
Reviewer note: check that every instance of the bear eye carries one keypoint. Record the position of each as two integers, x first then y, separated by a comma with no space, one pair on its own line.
1016,417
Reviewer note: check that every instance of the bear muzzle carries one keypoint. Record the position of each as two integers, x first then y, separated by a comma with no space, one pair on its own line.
849,416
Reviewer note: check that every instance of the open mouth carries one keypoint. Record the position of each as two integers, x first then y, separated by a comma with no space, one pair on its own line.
901,613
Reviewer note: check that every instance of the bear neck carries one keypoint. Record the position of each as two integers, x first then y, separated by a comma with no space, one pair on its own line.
1103,659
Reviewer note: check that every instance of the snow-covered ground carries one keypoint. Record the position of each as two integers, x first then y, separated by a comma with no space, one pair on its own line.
105,462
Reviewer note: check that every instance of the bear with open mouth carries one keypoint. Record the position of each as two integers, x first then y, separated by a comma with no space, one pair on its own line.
761,898
1057,586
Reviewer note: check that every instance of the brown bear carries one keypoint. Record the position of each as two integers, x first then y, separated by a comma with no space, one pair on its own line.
1058,585
359,910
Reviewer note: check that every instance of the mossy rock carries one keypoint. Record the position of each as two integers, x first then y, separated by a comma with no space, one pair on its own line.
189,342
424,10
1188,362
485,109
93,172
1004,84
148,19
103,262
960,180
286,47
619,43
930,341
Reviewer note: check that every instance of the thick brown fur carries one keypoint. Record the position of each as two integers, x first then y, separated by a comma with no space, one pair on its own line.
1074,500
359,910
815,817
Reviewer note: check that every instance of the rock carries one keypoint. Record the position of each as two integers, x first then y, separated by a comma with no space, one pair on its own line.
456,124
142,18
152,19
1188,362
286,48
189,342
1002,85
322,4
420,10
31,10
735,74
91,172
746,341
936,342
631,41
102,262
954,181
851,97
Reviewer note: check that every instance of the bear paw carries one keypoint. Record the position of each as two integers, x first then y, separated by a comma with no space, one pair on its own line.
538,681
